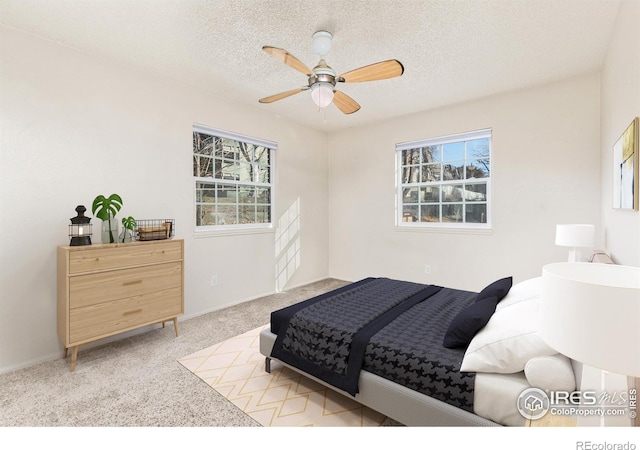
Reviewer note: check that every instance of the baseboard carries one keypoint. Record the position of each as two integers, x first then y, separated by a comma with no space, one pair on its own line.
244,300
223,306
145,329
93,344
31,363
295,286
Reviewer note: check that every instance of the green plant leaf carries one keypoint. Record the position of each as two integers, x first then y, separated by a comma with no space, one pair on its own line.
129,223
104,207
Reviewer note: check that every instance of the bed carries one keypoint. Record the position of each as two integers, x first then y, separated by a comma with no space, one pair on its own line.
423,355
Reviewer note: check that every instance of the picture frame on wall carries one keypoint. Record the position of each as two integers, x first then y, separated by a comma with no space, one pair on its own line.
625,169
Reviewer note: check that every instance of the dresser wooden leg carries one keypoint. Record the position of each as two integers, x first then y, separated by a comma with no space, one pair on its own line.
175,325
66,350
74,356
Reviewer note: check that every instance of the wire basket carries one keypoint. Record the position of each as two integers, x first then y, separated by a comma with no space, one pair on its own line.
154,229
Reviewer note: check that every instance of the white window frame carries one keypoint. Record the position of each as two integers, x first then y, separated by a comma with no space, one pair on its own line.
252,228
443,226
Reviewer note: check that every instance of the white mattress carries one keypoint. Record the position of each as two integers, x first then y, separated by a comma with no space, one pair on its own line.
496,396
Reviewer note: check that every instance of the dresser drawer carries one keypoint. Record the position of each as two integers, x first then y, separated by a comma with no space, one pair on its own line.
88,259
103,319
95,288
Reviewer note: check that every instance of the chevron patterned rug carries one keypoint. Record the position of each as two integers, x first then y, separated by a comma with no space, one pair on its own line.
282,398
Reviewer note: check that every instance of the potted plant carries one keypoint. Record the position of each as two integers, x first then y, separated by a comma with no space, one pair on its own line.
128,224
106,208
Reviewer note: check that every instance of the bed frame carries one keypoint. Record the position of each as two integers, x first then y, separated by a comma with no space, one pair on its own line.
405,405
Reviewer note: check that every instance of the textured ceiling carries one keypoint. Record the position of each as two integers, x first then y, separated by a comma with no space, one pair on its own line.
452,50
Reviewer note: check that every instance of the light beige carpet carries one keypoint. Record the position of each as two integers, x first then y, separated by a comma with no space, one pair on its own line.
235,368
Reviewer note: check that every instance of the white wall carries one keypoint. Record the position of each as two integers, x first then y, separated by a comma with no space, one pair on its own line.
620,104
545,163
75,126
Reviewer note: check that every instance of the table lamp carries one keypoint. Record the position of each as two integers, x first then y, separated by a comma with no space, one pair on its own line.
575,236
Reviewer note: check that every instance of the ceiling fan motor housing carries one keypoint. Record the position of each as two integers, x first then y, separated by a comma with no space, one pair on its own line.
322,73
322,78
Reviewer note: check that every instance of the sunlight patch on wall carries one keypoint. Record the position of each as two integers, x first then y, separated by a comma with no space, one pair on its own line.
287,245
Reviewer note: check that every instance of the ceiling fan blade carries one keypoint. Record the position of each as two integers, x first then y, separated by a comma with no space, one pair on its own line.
281,95
345,103
288,59
378,71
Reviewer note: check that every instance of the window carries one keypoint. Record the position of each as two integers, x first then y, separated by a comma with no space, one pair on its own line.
445,181
233,179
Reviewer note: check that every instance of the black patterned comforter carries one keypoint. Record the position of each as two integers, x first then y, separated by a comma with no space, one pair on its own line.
391,328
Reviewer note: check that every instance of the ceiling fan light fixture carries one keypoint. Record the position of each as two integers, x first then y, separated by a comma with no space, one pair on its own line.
322,94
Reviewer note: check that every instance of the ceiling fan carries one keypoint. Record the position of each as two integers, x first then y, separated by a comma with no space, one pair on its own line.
322,79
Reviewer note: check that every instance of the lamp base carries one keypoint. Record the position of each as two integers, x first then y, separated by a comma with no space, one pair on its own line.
609,391
80,240
574,255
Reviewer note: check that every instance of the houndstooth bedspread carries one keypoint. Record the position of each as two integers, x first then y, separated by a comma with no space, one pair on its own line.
391,328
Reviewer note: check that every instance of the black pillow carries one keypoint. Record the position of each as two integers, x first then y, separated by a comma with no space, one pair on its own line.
468,322
497,289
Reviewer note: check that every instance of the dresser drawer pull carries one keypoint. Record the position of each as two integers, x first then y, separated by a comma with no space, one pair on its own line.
135,311
129,283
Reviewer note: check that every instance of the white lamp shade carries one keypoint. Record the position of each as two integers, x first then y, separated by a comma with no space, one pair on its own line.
322,94
575,235
591,313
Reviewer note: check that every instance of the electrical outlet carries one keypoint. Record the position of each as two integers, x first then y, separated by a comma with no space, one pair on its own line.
214,280
427,269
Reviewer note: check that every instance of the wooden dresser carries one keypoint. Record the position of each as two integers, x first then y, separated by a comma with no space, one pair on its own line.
111,288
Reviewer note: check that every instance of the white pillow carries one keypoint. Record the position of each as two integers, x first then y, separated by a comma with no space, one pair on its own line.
507,341
553,373
526,290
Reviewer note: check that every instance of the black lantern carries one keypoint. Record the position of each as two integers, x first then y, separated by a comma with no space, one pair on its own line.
80,228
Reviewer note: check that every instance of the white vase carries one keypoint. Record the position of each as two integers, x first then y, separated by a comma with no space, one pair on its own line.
125,236
109,233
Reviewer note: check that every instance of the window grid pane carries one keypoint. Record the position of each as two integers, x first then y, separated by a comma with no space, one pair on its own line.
445,183
232,181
